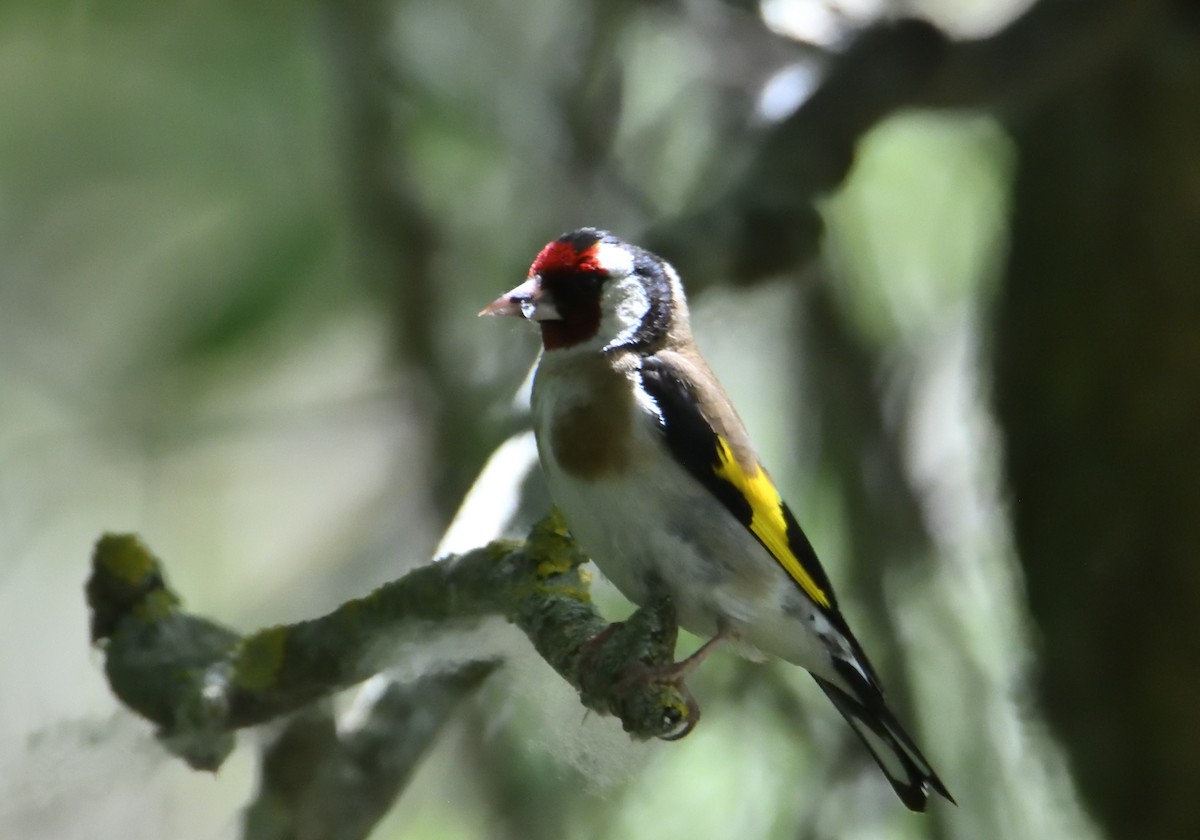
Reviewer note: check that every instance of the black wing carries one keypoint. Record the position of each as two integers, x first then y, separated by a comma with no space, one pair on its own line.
745,490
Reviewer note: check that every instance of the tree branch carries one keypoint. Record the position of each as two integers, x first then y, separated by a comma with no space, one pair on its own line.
199,681
319,783
766,223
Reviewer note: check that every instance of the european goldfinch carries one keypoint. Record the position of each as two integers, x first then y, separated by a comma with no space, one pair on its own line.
653,471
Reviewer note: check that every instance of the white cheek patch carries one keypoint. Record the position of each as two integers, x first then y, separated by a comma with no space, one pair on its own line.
616,261
623,307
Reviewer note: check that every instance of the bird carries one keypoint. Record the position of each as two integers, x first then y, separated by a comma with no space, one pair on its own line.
655,475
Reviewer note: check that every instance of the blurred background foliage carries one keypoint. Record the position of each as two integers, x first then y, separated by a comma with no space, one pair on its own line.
243,245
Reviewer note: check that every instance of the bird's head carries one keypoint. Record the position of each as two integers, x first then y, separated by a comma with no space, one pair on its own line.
589,290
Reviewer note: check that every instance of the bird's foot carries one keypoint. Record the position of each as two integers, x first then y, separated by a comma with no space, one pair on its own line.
673,674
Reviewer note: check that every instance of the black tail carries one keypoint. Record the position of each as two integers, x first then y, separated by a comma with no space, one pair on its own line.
888,743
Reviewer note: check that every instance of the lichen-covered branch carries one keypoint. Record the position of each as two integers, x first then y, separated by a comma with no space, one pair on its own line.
199,681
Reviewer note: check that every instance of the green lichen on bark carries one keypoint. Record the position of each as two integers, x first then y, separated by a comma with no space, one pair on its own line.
259,658
126,575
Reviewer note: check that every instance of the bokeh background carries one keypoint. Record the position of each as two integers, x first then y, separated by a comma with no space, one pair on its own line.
948,273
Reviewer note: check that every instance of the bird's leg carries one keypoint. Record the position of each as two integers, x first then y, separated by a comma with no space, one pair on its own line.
691,663
674,673
677,672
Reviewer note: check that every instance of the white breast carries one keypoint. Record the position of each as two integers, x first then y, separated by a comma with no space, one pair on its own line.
653,523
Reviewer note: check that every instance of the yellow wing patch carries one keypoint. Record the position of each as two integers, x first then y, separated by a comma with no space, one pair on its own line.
767,522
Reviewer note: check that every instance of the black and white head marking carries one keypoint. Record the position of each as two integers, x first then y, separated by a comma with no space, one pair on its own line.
639,301
590,291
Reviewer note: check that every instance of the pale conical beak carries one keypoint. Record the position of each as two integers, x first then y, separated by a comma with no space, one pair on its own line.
525,300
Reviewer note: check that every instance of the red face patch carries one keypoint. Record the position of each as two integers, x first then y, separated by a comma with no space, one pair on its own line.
561,256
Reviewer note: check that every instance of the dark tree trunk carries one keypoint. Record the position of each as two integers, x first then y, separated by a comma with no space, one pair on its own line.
1097,365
